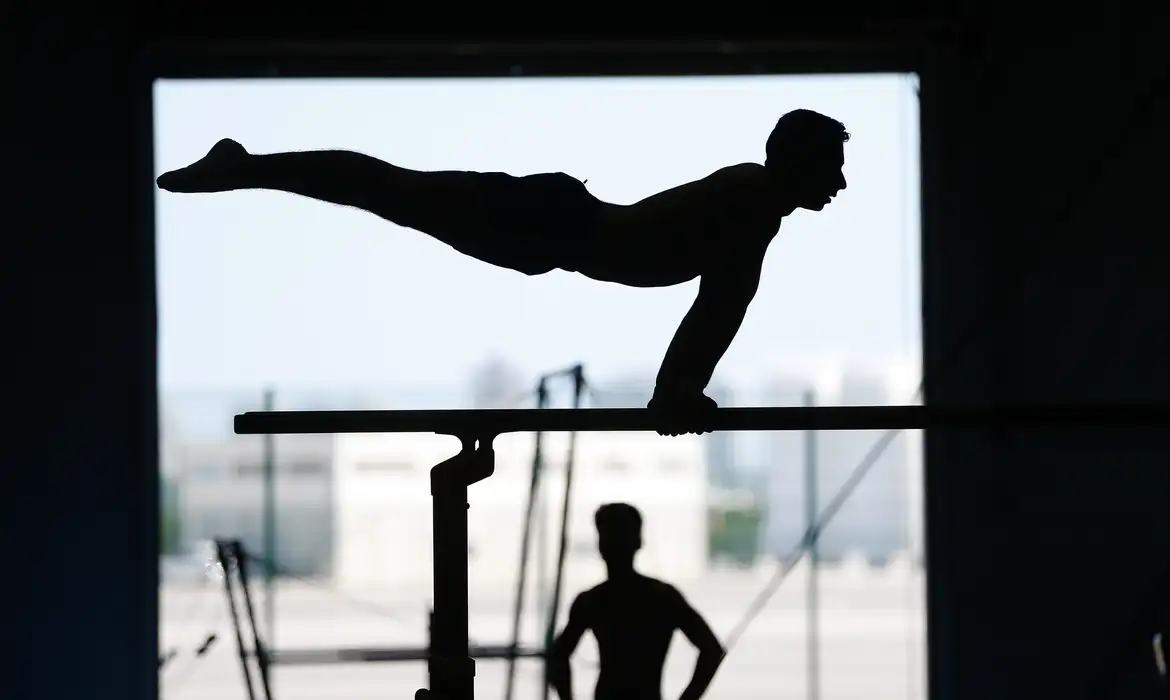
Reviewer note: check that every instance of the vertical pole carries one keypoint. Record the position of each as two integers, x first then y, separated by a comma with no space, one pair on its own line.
562,549
813,606
525,541
542,557
450,666
269,526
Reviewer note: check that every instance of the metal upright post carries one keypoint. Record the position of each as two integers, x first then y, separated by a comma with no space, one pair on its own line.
813,606
563,546
270,539
525,540
542,597
450,666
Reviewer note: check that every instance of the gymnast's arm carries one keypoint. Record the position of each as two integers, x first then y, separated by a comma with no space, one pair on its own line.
726,290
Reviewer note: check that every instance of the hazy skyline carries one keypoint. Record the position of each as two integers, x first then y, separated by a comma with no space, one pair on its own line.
267,288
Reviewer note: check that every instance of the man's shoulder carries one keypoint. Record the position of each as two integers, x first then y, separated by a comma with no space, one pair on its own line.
745,192
746,171
653,581
588,595
660,587
742,177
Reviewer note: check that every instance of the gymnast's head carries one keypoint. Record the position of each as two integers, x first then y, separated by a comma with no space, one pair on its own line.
806,152
619,534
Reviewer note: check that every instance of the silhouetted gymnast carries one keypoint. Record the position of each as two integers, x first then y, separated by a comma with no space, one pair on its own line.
633,618
717,228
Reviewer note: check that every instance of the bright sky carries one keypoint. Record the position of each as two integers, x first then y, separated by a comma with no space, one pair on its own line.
260,287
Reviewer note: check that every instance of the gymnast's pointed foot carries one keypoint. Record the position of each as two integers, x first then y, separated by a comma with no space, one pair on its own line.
211,173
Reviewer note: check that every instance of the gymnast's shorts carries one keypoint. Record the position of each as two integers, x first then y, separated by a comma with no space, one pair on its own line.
542,222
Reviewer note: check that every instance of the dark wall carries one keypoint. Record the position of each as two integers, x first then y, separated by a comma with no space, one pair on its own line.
78,522
1041,544
1053,152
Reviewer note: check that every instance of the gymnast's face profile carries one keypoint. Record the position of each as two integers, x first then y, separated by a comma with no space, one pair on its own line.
810,175
821,176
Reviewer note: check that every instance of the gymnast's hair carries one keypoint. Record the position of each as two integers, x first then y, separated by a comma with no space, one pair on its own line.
802,133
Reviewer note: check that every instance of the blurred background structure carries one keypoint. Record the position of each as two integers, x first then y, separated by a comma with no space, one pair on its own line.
350,521
344,503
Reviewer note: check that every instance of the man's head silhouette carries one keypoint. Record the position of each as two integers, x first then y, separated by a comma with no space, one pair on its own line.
806,152
619,535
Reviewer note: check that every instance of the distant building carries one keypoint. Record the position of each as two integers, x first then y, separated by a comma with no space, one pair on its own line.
633,393
722,469
878,519
787,516
220,487
357,508
498,384
384,529
873,523
719,448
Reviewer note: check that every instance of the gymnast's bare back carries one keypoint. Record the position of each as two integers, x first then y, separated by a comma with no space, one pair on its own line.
724,220
717,228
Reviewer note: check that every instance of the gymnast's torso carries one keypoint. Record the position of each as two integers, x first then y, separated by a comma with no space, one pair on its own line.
676,235
551,221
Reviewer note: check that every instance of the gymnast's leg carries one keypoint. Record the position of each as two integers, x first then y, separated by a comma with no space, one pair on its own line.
444,204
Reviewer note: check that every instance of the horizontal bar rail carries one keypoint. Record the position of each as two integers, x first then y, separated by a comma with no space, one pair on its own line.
313,657
492,422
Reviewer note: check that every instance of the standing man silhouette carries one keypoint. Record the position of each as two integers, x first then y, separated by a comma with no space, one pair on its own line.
633,618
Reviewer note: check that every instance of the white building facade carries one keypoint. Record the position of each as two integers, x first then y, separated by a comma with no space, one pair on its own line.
382,507
221,490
